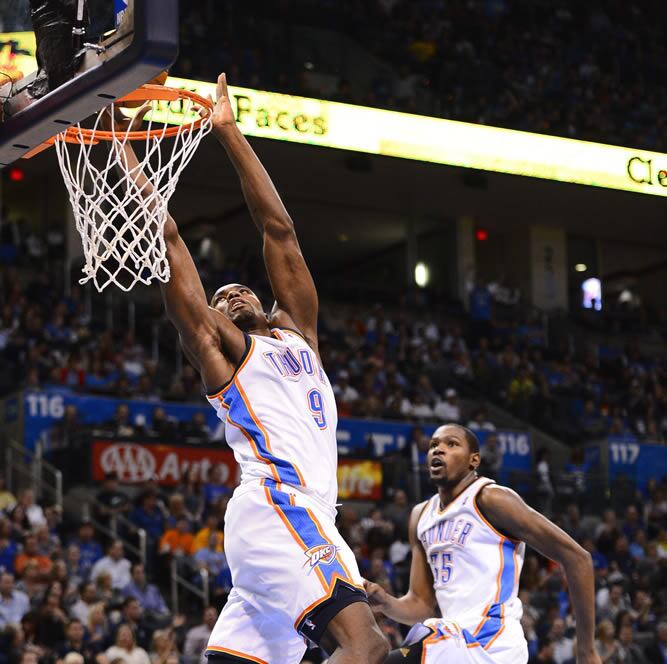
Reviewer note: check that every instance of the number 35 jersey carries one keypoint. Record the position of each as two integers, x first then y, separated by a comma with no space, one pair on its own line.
475,568
280,416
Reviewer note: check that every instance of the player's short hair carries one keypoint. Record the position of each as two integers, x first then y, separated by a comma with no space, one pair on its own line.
471,439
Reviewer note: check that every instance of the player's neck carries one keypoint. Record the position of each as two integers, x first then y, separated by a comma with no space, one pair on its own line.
259,330
450,492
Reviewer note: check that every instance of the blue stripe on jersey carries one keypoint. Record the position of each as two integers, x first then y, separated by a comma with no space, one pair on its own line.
305,528
238,414
494,620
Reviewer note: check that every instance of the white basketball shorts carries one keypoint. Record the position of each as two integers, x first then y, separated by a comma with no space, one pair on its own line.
292,572
440,641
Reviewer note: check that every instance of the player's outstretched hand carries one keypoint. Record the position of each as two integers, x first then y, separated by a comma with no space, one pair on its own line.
223,115
377,595
121,124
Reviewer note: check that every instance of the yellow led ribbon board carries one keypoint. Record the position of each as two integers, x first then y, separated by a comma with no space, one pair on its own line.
375,131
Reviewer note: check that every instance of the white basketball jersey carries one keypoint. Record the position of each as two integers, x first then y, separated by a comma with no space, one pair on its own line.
475,569
280,416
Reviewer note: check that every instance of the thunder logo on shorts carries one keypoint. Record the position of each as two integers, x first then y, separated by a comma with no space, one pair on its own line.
324,554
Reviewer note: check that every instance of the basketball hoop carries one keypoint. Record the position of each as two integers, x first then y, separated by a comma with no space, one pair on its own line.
121,224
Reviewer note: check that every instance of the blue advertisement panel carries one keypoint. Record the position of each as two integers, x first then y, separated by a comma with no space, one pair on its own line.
43,408
638,461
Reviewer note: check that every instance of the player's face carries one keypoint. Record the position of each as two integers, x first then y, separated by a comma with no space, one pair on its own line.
449,458
240,305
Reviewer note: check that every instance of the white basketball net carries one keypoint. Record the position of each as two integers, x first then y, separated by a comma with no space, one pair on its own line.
122,228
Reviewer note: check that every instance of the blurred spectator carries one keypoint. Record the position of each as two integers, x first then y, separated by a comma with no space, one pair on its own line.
656,653
73,566
421,410
215,487
145,593
177,541
398,511
563,647
115,565
177,509
14,604
87,599
628,651
196,430
7,499
606,645
480,421
211,558
97,625
191,491
211,527
20,526
111,500
148,516
449,410
197,637
161,426
32,510
611,601
126,649
75,642
133,615
31,583
121,425
90,550
346,395
491,457
30,554
52,617
164,647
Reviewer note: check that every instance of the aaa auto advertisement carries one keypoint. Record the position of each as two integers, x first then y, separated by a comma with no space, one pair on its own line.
167,464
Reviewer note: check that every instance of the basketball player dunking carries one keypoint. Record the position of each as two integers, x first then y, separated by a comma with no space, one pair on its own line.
295,579
468,545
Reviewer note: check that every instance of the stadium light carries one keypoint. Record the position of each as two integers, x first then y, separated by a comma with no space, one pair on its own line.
16,174
422,275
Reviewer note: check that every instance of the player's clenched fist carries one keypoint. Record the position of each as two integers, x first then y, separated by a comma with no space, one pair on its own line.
377,595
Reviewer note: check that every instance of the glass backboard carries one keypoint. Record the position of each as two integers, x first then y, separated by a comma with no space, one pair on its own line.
128,42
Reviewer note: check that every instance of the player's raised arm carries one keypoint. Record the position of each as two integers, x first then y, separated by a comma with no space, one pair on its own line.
204,333
291,281
509,514
418,604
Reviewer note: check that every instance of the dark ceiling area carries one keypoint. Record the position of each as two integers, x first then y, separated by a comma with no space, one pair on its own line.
348,206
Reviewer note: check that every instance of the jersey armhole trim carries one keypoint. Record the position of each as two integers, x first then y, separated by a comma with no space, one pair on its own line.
249,345
514,541
293,331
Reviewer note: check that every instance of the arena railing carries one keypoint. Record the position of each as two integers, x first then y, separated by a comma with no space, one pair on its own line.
113,531
43,477
179,582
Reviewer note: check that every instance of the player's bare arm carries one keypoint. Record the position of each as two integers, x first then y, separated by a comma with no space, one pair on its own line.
292,284
418,604
211,343
509,514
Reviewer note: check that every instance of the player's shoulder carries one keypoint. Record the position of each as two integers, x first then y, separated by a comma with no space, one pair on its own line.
491,493
495,503
418,510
